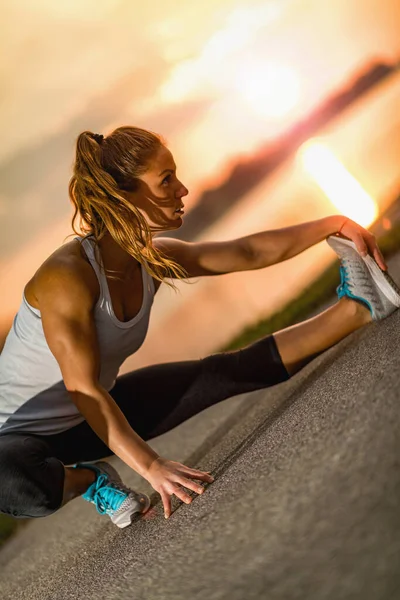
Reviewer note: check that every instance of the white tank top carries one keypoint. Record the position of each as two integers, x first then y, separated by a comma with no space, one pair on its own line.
33,397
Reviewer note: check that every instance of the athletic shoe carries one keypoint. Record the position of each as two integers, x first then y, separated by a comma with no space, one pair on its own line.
111,496
363,280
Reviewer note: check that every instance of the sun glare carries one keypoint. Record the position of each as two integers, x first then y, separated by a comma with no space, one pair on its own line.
271,90
342,189
204,74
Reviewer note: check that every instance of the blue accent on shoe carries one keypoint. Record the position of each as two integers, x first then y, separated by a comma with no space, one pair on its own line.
343,288
106,498
104,495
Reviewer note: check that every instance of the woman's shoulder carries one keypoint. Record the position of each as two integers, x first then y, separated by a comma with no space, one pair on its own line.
69,259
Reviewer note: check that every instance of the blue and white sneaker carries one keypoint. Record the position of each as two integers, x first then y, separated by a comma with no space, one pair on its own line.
363,280
111,496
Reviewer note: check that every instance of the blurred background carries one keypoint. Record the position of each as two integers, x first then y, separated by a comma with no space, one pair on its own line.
276,111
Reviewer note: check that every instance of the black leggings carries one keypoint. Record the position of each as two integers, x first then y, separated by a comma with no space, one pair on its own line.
154,399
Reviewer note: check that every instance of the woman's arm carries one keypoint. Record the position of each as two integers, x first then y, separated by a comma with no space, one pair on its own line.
277,245
271,247
66,305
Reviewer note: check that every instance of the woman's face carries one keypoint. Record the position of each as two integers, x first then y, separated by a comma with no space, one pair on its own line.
160,193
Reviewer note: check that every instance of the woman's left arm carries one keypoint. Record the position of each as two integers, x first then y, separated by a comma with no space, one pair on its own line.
277,245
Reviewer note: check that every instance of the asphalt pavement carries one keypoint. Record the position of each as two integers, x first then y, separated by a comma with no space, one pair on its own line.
305,502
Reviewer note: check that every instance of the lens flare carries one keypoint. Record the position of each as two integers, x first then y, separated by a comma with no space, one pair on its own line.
270,90
342,189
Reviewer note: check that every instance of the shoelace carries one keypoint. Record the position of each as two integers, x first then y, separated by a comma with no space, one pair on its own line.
344,280
345,283
108,496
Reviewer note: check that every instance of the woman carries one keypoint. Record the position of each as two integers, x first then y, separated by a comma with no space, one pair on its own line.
62,404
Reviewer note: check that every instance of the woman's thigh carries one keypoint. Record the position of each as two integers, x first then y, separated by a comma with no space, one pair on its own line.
157,398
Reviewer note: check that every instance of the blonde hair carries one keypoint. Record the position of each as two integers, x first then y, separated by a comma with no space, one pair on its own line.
104,166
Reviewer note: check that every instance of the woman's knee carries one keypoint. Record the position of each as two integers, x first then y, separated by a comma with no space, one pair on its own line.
31,481
255,366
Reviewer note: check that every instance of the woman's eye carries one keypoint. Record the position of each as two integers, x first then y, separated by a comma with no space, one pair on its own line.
166,178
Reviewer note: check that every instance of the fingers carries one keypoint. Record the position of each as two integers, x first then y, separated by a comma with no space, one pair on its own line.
191,485
366,243
182,495
198,474
179,493
166,500
183,480
375,251
378,256
360,244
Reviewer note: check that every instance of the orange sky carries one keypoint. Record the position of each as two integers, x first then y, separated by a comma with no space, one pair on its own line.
59,56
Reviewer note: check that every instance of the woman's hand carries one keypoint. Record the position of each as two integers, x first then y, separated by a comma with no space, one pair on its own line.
364,241
167,477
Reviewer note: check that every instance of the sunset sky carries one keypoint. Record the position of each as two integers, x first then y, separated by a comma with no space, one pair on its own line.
58,57
216,78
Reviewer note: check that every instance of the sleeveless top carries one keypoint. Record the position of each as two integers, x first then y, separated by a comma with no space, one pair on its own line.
33,397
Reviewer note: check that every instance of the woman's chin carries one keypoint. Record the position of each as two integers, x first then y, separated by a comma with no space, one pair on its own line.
178,219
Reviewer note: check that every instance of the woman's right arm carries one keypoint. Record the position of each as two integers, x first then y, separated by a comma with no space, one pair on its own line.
66,305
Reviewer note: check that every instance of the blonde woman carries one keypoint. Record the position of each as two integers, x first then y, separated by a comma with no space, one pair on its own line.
63,406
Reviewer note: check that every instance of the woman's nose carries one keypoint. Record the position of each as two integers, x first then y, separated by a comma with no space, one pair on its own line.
183,191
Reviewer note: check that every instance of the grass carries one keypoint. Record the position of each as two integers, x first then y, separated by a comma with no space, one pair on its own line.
319,292
8,526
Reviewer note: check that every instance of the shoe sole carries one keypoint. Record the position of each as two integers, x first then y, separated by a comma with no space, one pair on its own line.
384,282
126,519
